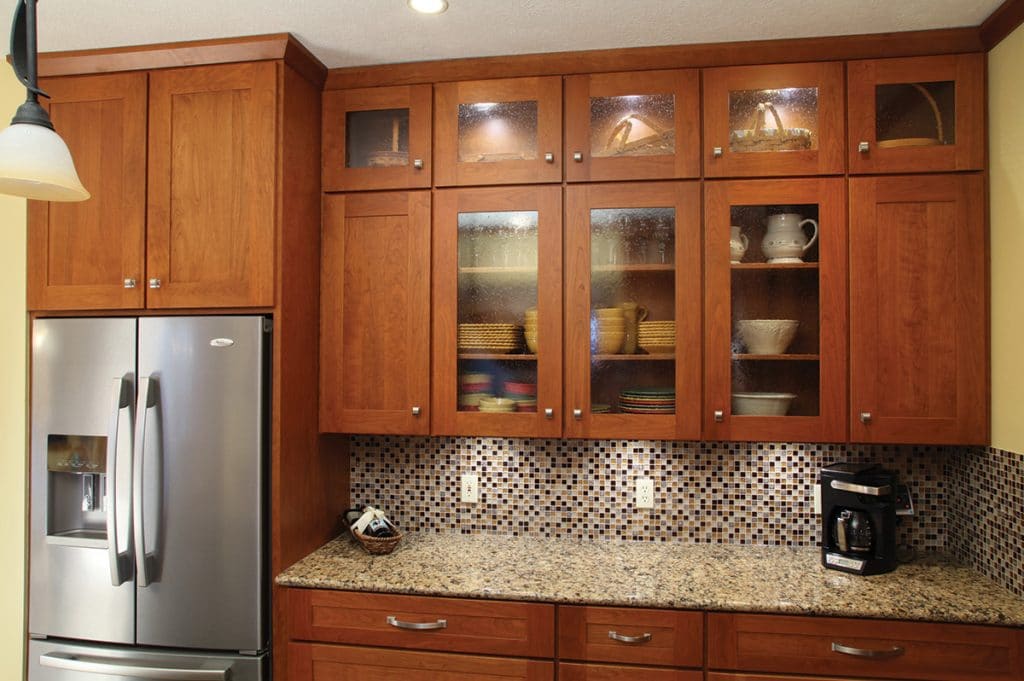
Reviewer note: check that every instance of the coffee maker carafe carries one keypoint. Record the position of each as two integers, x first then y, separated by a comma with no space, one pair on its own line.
858,511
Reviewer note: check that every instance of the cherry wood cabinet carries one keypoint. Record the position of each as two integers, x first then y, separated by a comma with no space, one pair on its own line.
784,119
572,671
921,114
635,245
498,131
90,255
672,638
751,297
377,138
632,126
918,310
374,308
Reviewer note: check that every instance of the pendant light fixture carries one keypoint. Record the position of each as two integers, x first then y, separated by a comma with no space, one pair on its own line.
34,161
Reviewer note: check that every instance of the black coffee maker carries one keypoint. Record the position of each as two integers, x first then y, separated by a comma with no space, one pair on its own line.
858,512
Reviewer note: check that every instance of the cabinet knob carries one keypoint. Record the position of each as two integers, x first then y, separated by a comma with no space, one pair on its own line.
717,152
577,414
415,411
863,147
154,283
865,417
417,163
549,157
577,156
549,413
719,416
129,283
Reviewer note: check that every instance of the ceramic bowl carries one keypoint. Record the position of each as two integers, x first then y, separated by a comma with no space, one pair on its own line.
761,404
497,404
610,343
609,312
767,336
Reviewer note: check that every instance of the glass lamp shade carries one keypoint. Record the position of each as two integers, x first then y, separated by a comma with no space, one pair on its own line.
35,163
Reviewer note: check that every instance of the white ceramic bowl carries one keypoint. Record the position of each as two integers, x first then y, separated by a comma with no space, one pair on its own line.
767,336
761,404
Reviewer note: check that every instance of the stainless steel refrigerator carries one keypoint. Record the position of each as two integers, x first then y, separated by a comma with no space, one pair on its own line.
148,555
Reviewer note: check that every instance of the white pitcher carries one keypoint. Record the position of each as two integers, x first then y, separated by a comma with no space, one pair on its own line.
737,244
785,240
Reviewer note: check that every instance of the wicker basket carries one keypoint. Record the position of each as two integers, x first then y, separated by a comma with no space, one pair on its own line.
761,138
661,141
940,137
377,546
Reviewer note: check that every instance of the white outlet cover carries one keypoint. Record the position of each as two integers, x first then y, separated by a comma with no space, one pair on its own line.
470,488
644,493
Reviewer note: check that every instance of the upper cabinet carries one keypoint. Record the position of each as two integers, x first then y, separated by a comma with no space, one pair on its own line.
774,120
498,131
90,255
632,126
923,114
377,138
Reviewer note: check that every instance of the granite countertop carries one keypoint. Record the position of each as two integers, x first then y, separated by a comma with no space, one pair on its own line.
658,575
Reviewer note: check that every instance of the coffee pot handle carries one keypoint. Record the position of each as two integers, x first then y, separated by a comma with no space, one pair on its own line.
814,237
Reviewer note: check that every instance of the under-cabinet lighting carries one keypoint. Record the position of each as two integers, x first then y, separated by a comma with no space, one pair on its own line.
429,6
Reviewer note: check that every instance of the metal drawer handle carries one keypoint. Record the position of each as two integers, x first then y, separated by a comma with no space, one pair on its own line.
895,651
419,626
622,638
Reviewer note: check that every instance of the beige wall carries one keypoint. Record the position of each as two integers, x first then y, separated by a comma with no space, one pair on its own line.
1006,159
13,350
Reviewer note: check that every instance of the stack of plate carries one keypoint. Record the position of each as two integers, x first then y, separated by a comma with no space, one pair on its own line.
497,405
474,387
499,339
598,408
648,401
657,337
523,394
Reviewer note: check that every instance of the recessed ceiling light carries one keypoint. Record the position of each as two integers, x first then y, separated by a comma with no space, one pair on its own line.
429,6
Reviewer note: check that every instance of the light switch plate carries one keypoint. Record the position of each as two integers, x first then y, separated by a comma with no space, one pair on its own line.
470,488
644,493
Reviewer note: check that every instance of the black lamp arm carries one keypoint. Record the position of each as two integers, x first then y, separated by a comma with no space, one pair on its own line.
23,48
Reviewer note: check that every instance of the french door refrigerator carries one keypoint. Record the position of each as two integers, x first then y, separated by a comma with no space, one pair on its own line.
148,556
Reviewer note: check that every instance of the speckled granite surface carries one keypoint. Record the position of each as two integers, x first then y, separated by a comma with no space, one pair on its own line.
662,575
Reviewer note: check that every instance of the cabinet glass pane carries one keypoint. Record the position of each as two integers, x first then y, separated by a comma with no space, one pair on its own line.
773,120
497,312
775,344
490,132
377,139
632,315
632,125
915,114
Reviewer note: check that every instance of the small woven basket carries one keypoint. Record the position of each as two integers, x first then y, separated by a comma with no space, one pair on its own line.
377,546
761,138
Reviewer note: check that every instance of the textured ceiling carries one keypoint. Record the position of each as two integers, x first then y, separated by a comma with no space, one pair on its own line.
358,32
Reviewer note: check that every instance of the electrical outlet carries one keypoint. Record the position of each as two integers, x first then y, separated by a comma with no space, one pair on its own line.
817,499
470,488
644,493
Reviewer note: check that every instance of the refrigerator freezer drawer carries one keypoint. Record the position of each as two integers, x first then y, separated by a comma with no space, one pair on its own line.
54,661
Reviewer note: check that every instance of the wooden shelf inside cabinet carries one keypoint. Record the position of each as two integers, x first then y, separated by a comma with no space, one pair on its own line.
775,266
498,270
774,358
661,357
496,356
598,269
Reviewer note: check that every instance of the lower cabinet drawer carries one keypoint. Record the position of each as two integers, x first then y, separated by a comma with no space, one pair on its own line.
318,662
715,676
417,622
568,671
871,649
670,638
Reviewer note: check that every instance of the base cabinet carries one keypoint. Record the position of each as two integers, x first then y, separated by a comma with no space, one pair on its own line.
568,671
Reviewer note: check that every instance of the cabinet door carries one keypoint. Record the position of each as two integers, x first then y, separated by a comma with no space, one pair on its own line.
775,302
212,186
497,282
922,114
782,119
377,138
918,310
375,313
632,326
90,255
498,131
632,126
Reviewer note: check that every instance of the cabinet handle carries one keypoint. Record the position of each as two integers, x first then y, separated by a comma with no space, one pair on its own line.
418,626
549,413
577,156
129,283
895,651
417,163
717,152
549,157
577,414
865,417
621,638
415,411
863,147
719,416
154,283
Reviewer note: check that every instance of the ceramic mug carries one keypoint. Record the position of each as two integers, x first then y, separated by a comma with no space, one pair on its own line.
633,313
785,240
738,244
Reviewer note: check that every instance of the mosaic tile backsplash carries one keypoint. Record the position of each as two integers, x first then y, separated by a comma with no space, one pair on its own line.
706,492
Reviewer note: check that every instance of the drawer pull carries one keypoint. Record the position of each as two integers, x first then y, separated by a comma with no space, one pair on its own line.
895,651
622,638
419,626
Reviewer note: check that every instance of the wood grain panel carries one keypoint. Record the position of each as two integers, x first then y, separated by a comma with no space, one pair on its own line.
676,638
212,169
568,671
1001,23
80,254
918,316
803,645
375,282
716,676
473,626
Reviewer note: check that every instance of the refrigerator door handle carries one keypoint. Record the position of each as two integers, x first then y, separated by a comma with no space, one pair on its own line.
99,665
148,397
120,561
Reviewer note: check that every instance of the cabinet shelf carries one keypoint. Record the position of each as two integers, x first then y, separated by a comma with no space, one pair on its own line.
508,357
775,266
774,358
662,357
498,270
654,267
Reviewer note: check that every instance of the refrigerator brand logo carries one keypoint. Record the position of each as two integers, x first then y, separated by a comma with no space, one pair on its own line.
222,342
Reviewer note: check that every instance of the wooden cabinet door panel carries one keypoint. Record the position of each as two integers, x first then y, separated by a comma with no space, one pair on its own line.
715,676
918,312
375,313
212,192
307,662
81,254
568,671
665,637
